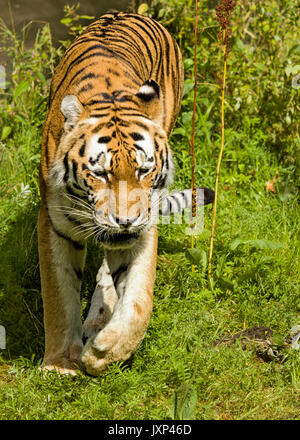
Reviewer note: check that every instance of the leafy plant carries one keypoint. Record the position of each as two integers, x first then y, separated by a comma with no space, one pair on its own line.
72,20
184,403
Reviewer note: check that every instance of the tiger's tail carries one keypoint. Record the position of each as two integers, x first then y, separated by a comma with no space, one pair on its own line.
178,201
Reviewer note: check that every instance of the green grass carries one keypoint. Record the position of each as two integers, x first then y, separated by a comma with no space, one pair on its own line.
177,371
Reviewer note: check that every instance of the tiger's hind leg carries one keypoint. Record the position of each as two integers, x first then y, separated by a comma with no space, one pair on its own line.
103,302
61,266
123,333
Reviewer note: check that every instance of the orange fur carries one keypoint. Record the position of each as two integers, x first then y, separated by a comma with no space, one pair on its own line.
114,100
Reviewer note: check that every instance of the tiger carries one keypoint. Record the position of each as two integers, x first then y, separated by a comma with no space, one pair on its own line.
105,167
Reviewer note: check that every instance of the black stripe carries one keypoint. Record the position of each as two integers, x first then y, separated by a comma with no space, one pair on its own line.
124,124
66,165
143,41
113,72
97,115
136,114
160,182
137,136
155,30
179,207
87,76
106,107
146,97
99,101
70,190
139,148
78,60
167,158
140,124
89,49
186,198
78,273
47,152
79,72
75,168
123,108
124,41
104,139
78,187
148,33
116,275
169,206
72,219
78,246
81,40
99,126
129,76
82,149
85,88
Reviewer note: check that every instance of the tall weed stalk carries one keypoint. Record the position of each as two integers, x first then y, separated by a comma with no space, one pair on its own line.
223,11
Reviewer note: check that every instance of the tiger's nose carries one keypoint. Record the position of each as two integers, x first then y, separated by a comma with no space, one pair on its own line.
124,223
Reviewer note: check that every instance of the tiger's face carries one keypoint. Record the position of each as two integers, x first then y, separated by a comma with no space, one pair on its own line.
113,170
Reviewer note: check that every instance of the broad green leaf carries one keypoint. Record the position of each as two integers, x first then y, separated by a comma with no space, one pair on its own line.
179,130
86,17
184,403
197,256
66,20
264,244
226,284
22,87
42,77
188,86
235,243
187,117
188,63
5,132
143,9
261,66
256,243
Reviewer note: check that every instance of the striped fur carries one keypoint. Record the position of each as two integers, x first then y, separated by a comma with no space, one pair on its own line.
114,100
178,201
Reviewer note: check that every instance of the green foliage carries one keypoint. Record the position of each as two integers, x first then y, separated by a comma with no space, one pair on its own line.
177,372
256,244
23,106
262,104
73,21
184,403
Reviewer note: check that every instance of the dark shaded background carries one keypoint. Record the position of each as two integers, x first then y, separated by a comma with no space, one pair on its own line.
52,11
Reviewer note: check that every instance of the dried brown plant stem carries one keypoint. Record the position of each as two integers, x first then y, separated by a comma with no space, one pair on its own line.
220,153
192,142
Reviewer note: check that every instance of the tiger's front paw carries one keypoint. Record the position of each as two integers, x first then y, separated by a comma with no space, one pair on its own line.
63,365
93,325
109,345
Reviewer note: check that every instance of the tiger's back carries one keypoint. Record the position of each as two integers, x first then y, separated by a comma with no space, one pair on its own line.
108,64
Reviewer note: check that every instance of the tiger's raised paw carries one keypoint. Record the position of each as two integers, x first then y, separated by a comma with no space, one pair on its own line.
93,326
106,347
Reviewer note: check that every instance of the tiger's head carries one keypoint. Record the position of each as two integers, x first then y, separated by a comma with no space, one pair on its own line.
113,166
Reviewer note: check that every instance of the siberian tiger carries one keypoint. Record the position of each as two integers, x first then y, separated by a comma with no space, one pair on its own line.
114,100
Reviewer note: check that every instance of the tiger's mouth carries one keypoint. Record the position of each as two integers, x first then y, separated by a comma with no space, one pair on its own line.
117,238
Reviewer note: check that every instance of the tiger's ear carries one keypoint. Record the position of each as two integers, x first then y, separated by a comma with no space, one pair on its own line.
71,108
150,96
